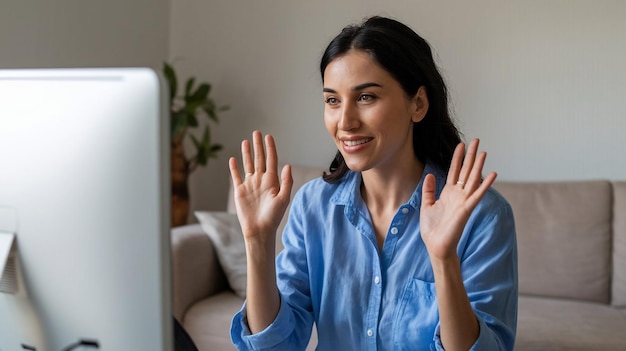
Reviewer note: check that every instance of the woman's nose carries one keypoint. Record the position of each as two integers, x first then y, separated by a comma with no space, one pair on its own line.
349,118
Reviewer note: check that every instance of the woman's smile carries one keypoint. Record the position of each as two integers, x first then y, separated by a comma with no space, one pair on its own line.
355,144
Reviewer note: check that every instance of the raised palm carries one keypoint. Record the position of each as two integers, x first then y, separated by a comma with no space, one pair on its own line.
261,198
442,221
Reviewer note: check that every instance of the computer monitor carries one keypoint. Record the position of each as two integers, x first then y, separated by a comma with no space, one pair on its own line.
84,200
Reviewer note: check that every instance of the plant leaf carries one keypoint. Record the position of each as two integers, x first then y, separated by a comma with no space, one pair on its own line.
189,86
201,93
179,123
192,121
214,149
195,141
170,75
202,150
191,106
209,108
206,138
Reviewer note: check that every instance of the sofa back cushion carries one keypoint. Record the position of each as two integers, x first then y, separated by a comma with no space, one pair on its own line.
619,244
563,237
301,175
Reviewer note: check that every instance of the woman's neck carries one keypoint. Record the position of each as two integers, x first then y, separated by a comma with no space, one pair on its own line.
385,191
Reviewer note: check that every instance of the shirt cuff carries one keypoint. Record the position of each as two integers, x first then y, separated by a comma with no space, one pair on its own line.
276,333
482,343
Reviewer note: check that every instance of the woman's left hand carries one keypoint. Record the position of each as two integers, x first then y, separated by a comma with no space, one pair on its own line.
442,221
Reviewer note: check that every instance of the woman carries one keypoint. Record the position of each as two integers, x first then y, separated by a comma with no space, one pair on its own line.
402,245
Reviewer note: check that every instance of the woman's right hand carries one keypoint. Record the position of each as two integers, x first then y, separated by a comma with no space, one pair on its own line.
261,198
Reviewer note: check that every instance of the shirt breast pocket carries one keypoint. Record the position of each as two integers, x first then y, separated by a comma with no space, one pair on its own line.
417,316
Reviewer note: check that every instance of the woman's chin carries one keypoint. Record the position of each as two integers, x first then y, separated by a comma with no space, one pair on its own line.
357,166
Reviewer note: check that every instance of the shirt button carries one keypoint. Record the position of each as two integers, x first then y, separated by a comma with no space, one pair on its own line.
405,210
377,279
370,332
394,230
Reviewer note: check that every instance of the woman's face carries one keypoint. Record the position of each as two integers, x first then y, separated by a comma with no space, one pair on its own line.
368,114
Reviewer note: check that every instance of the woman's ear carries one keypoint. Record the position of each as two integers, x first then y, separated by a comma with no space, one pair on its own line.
420,103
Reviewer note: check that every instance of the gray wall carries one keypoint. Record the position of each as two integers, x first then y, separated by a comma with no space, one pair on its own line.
75,33
542,83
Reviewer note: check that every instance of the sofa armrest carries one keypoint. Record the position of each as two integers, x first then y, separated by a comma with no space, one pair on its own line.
196,272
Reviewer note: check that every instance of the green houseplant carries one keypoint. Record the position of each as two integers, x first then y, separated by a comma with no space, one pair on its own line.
185,111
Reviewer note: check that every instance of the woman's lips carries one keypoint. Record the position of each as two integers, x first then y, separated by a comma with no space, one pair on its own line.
355,144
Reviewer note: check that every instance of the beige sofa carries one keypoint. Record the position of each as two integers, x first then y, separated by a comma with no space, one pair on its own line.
572,269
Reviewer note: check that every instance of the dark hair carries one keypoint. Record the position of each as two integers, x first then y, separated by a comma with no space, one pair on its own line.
408,58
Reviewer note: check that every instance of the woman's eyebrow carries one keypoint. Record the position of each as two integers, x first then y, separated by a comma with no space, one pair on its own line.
355,88
366,85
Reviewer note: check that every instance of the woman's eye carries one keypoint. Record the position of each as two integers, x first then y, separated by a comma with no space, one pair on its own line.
331,100
366,97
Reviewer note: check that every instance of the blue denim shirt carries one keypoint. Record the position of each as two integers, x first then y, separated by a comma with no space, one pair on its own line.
331,272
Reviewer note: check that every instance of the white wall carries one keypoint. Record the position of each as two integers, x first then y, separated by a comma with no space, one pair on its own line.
75,33
542,83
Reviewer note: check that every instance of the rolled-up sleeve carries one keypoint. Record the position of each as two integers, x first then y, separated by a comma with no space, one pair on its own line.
273,337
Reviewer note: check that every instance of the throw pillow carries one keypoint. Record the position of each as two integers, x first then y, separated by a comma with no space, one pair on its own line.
225,233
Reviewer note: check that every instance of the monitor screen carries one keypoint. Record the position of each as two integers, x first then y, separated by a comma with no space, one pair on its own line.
84,210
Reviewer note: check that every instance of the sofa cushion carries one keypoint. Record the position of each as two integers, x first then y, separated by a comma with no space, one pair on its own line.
208,321
619,244
225,233
196,272
546,324
564,237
